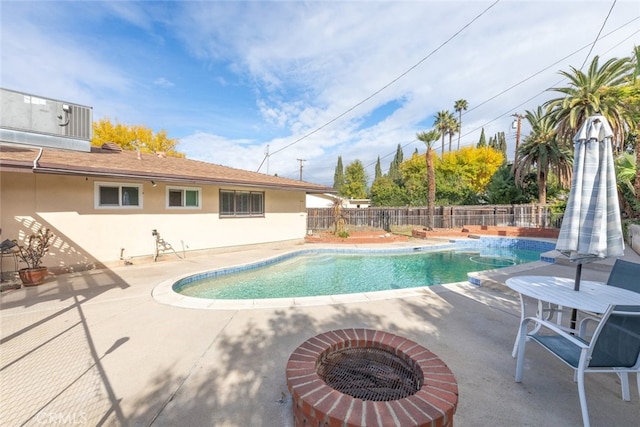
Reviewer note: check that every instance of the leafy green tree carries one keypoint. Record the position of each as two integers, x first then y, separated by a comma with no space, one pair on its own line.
626,171
134,138
429,138
502,188
385,192
501,143
355,181
413,172
452,191
472,166
586,95
542,153
455,176
378,173
482,142
459,106
394,167
338,176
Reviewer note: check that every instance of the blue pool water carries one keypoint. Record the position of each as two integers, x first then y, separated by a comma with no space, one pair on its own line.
321,273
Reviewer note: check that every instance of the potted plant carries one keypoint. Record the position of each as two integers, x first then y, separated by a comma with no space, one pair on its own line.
34,248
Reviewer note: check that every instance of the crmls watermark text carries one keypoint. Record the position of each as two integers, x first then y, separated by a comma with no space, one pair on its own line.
62,418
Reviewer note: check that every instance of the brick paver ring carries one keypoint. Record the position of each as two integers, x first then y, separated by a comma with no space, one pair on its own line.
364,377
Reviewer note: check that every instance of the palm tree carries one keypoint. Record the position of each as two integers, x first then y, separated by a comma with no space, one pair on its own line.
442,124
541,152
460,105
628,97
454,127
588,94
429,138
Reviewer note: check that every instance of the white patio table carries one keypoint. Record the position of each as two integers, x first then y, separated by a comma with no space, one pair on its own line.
592,297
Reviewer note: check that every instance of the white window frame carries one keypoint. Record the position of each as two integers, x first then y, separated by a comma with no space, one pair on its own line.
119,185
183,190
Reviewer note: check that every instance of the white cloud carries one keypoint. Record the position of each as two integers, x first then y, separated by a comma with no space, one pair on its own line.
163,82
296,67
57,66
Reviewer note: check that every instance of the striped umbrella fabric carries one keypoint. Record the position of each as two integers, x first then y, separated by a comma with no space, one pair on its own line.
591,227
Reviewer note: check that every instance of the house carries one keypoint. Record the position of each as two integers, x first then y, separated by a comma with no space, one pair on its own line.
356,203
106,205
328,200
325,200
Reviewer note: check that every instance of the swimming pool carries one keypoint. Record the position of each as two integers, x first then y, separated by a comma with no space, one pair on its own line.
315,273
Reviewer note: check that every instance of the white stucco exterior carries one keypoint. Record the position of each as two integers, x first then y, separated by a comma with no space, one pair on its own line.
86,236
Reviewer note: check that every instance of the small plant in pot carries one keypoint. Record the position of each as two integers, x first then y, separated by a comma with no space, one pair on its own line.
31,252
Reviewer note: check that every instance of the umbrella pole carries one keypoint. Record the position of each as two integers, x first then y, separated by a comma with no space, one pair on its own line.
576,287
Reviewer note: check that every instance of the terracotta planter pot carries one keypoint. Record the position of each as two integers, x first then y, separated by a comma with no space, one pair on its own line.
33,276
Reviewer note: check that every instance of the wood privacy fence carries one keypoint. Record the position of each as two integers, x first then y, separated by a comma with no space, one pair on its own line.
535,216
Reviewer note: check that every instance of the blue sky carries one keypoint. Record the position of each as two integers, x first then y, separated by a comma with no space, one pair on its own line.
229,78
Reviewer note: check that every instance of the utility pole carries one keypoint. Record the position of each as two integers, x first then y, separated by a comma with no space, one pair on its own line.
266,158
301,161
517,125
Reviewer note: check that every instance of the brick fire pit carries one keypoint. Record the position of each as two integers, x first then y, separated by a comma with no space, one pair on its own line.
358,377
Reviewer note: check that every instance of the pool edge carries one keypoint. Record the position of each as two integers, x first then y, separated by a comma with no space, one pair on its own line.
165,294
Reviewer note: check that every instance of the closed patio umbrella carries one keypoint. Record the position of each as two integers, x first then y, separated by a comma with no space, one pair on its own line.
591,228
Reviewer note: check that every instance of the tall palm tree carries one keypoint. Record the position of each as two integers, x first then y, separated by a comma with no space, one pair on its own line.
429,138
454,127
588,94
460,105
628,97
541,152
442,124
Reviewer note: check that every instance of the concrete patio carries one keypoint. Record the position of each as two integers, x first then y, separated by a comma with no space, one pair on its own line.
95,348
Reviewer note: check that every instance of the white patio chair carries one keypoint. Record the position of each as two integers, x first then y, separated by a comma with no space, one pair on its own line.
614,348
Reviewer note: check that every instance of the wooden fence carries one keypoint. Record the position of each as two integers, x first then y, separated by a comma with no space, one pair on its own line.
444,217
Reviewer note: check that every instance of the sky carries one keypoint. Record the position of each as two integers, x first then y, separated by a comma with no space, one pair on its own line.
306,82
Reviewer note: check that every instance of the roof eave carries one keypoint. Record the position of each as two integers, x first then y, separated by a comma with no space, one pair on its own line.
171,179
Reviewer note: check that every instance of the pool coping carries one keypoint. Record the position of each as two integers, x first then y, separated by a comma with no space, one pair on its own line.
165,294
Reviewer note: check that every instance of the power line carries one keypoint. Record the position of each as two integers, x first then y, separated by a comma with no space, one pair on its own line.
599,32
539,72
390,83
521,82
551,65
509,111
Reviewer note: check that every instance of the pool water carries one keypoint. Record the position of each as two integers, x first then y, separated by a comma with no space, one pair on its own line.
339,273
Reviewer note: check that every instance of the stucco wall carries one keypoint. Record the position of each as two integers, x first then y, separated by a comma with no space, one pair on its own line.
86,236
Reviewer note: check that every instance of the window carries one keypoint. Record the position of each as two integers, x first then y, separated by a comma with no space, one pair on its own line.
241,203
112,195
178,197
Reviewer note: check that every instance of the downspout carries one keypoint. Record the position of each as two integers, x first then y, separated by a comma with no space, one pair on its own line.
35,161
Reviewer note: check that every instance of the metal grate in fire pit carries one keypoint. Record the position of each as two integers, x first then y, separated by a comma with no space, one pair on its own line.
368,373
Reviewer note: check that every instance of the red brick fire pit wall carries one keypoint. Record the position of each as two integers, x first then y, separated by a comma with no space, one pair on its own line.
315,403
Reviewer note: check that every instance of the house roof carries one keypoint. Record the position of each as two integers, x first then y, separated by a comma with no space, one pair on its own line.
110,162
